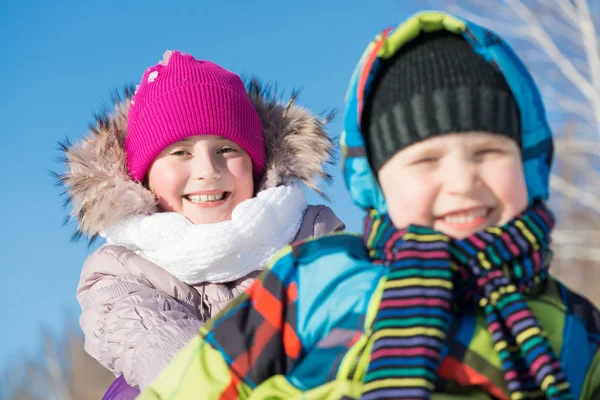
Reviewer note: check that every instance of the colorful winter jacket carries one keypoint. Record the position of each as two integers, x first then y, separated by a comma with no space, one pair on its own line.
303,330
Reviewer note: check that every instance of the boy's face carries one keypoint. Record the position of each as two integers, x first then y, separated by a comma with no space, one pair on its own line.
457,184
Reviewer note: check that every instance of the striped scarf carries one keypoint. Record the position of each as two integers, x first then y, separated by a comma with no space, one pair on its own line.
430,274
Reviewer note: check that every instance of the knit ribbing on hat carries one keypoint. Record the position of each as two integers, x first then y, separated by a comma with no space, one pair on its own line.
182,97
435,85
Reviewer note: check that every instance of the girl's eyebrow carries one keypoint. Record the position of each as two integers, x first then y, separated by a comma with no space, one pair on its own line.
183,142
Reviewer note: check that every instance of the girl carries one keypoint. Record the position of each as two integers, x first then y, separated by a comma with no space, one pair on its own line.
191,181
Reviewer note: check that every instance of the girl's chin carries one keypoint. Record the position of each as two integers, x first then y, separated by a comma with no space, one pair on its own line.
208,219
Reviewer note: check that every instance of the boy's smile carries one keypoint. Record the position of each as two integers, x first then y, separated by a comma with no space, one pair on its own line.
474,218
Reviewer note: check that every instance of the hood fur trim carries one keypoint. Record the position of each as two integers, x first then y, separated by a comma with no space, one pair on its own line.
101,193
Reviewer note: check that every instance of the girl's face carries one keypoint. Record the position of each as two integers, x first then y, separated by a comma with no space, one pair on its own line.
202,177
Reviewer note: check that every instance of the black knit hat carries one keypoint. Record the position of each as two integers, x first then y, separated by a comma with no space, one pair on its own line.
435,85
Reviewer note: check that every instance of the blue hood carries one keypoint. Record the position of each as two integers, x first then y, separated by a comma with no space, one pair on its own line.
537,146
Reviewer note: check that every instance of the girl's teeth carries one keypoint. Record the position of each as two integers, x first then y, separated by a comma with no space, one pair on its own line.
204,198
464,218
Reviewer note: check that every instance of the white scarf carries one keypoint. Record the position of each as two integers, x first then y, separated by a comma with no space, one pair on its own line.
220,252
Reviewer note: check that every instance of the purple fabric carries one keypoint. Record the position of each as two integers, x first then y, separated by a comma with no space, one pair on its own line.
120,390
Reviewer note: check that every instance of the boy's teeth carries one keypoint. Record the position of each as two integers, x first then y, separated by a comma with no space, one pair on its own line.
466,217
204,198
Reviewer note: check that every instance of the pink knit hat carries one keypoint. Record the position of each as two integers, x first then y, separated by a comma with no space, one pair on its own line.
181,97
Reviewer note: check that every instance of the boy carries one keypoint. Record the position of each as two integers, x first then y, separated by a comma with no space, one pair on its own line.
447,293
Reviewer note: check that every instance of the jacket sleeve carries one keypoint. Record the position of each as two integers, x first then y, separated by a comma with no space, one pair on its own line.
250,348
130,327
249,341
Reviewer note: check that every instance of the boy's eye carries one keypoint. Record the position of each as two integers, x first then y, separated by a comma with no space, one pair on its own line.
424,160
484,152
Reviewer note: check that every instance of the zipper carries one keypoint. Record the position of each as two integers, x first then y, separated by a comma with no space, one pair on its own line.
368,331
357,359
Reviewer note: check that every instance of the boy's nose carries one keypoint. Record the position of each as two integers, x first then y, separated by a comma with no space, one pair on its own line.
461,177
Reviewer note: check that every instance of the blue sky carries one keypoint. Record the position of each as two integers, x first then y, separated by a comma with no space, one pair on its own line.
61,59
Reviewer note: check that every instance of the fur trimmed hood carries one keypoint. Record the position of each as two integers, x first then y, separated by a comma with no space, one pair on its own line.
101,193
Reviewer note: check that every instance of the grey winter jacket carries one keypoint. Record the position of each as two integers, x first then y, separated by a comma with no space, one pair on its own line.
135,315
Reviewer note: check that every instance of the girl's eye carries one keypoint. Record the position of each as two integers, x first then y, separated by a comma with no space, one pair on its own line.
179,153
227,150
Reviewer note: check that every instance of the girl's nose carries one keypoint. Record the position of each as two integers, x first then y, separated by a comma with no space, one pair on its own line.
205,167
